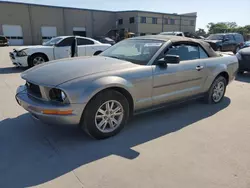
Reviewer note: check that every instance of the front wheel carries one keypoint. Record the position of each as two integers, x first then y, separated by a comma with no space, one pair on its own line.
105,115
37,59
217,91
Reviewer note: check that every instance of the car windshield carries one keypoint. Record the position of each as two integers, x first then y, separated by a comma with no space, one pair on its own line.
138,51
52,41
215,37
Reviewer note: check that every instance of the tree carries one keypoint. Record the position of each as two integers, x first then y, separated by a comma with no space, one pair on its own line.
201,32
220,27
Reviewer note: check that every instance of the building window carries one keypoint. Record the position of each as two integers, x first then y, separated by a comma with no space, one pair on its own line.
192,22
143,19
154,20
132,20
120,21
172,21
166,21
142,34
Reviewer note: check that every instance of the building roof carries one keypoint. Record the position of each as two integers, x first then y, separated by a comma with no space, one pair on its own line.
53,6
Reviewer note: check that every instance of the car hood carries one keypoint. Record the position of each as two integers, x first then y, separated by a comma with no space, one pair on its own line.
31,47
57,72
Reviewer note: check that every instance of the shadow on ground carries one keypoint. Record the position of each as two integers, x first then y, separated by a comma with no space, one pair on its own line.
33,153
244,77
11,70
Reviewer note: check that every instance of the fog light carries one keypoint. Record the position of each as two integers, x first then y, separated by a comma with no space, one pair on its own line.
57,112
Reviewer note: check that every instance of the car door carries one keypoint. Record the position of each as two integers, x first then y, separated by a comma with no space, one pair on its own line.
86,47
63,48
177,81
227,43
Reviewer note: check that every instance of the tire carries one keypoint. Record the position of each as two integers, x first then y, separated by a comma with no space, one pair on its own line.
237,48
89,122
33,60
241,72
210,98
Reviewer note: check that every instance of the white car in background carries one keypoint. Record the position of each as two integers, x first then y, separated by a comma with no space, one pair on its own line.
56,48
174,33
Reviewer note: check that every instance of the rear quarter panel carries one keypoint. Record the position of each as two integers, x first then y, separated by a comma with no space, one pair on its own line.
217,65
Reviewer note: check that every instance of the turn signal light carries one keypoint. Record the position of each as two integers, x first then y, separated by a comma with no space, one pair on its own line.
57,112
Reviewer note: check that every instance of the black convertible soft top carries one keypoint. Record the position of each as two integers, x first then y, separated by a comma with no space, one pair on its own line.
177,39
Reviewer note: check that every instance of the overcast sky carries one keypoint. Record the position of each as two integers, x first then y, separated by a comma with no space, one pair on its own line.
208,11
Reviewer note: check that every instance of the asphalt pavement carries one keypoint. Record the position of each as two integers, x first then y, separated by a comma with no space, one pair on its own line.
192,145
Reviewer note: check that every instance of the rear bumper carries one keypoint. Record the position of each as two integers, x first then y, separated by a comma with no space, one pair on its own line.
244,65
36,107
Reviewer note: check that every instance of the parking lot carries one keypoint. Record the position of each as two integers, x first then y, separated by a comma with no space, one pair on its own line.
189,145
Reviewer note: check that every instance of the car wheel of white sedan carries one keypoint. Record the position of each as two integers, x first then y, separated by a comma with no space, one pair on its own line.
217,90
37,59
105,115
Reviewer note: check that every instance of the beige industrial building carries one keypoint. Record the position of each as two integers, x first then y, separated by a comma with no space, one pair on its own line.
27,24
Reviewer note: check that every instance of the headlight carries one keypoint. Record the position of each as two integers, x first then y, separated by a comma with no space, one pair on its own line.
57,95
238,55
21,53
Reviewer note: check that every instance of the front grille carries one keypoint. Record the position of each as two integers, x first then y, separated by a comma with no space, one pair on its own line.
33,89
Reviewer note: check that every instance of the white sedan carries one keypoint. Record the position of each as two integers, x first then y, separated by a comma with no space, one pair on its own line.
56,48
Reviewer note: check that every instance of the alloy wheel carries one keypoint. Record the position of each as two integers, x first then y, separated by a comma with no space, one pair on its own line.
109,116
38,60
218,91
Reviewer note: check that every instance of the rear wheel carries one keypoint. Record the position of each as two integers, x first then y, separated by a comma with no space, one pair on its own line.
105,115
237,48
217,91
241,72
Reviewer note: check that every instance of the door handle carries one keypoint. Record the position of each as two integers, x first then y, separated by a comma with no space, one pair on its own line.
198,68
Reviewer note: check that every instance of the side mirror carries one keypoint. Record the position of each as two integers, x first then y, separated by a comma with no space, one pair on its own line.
97,53
172,59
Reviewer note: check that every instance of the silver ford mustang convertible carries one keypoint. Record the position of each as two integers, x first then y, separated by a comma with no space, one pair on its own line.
100,93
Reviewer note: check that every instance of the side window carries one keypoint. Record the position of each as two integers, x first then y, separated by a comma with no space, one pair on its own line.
185,52
81,42
239,38
203,54
230,37
66,42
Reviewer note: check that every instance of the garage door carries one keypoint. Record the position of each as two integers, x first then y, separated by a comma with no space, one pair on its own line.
14,33
48,32
79,31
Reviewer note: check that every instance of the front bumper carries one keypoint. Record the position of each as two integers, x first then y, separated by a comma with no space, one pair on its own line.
19,61
4,44
36,106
